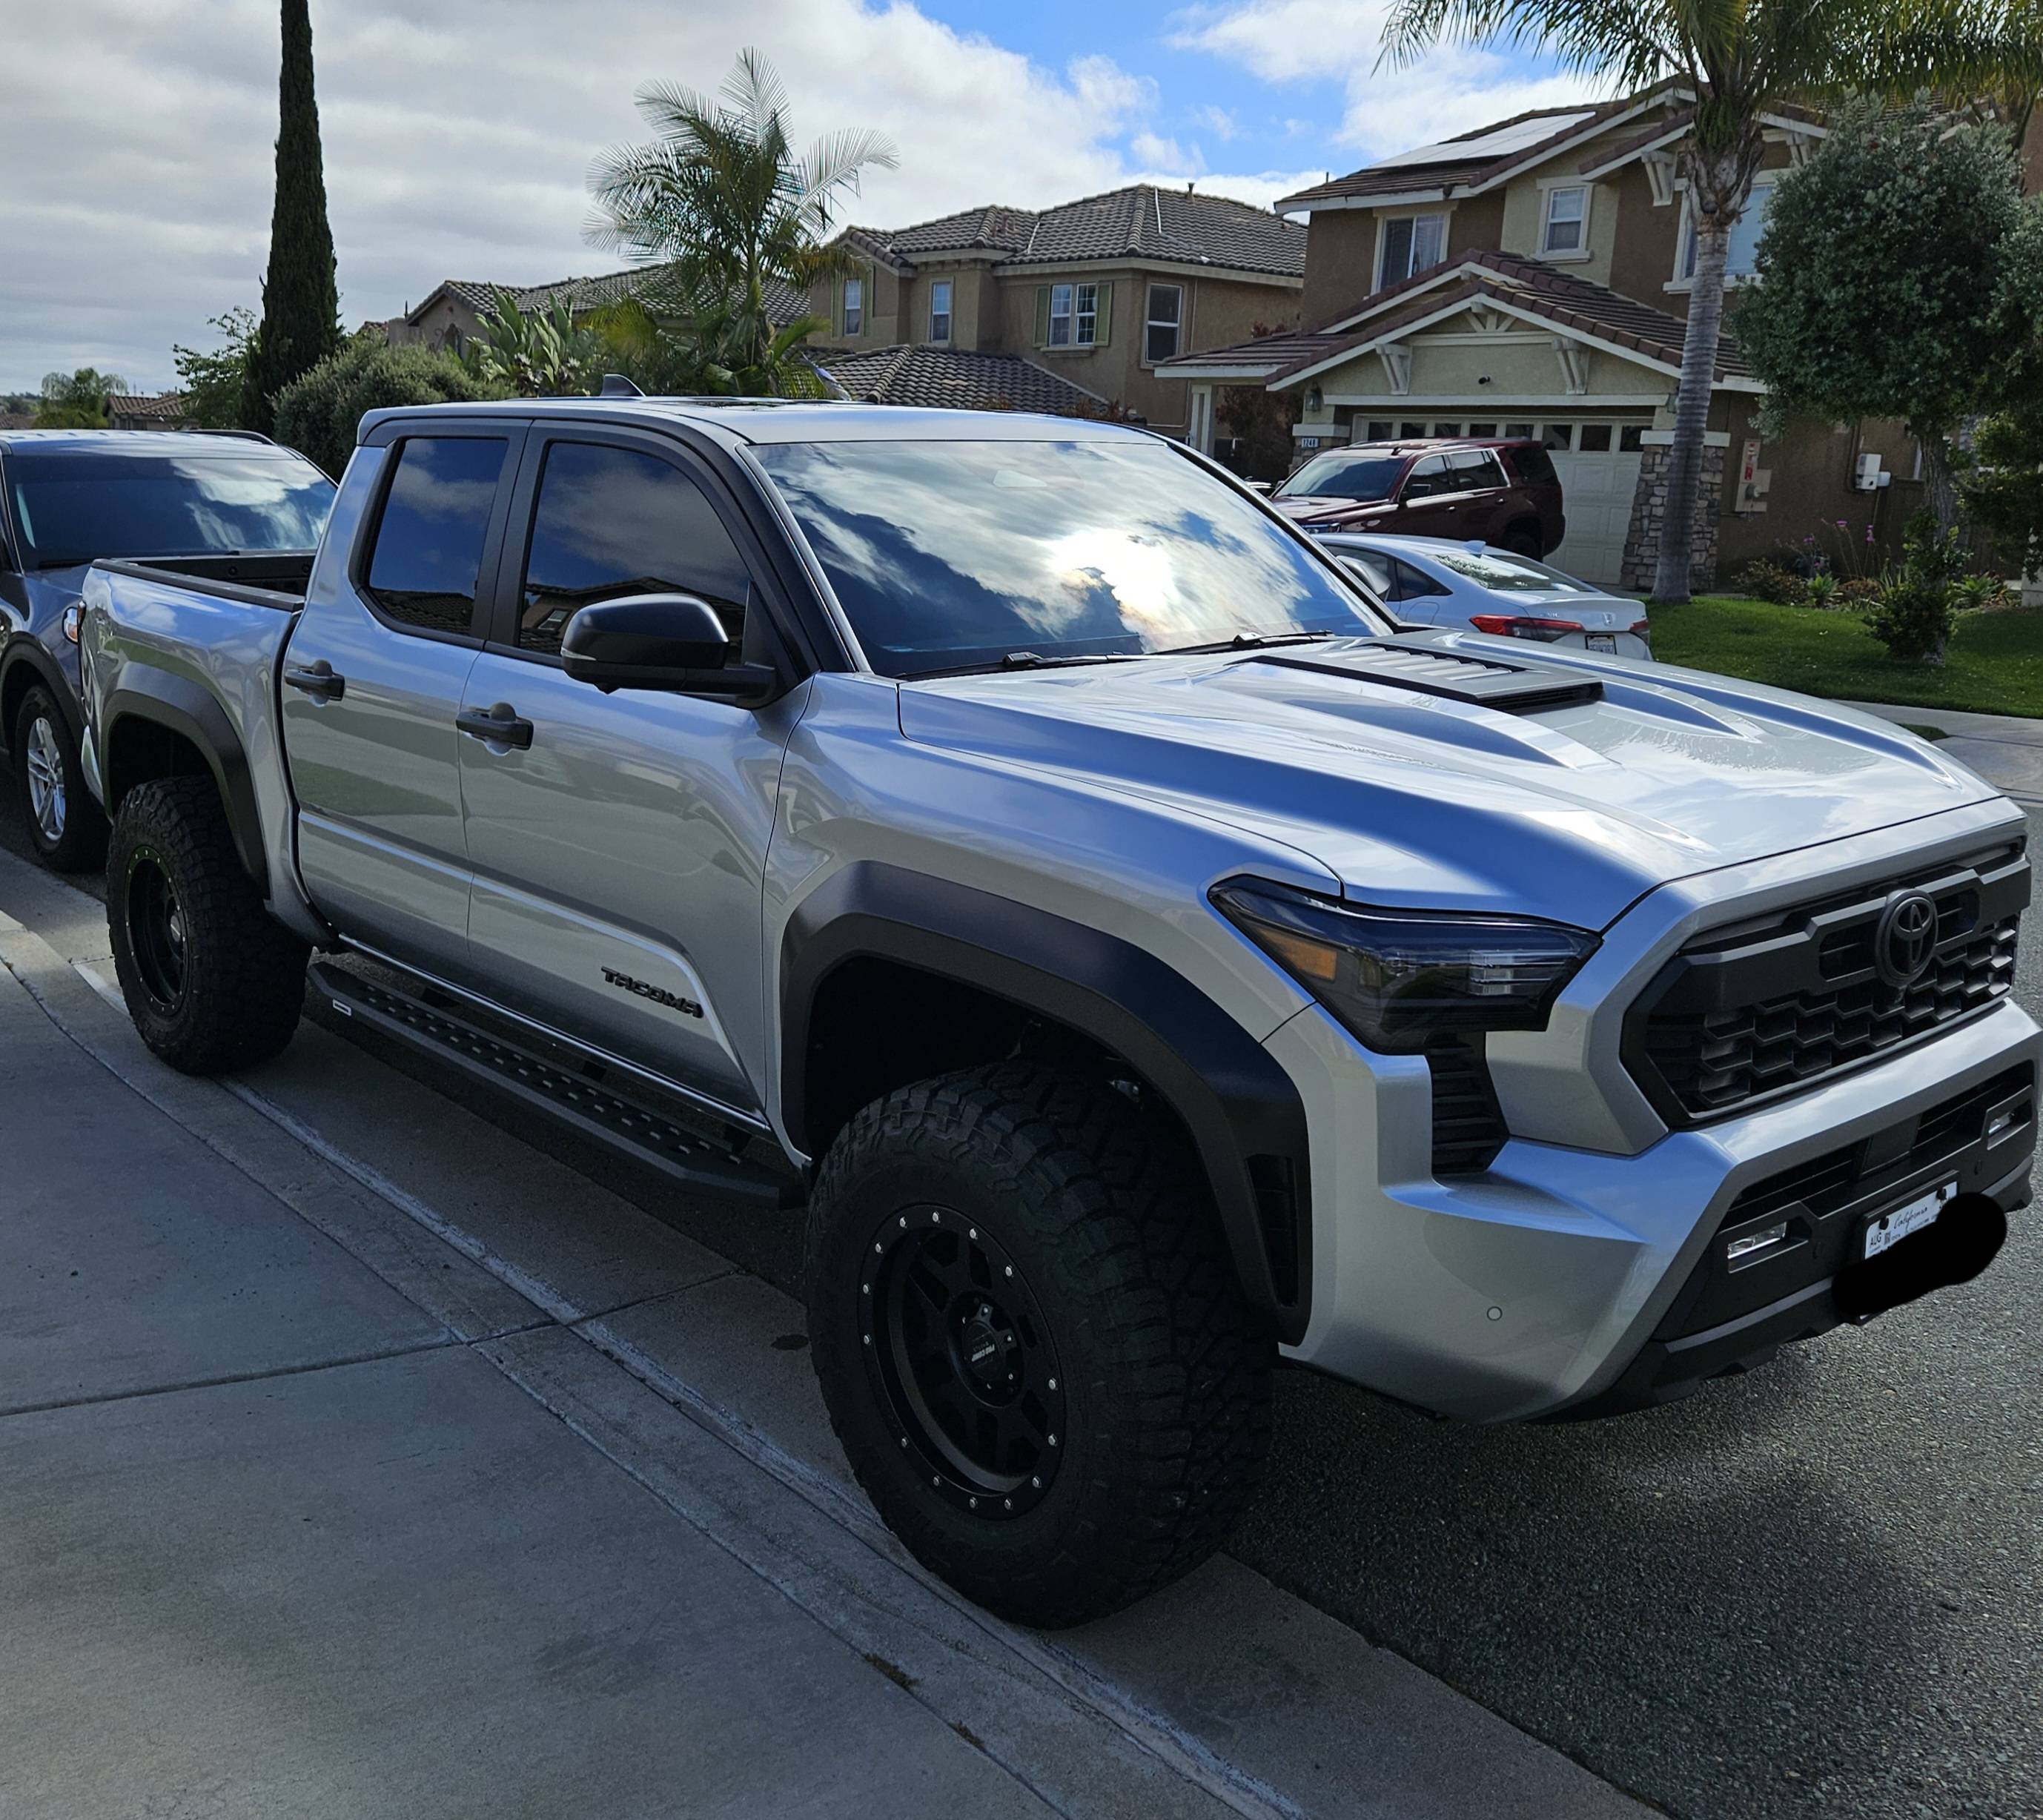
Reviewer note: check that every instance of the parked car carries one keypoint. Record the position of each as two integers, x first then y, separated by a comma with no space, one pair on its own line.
1499,491
233,507
1433,583
1010,836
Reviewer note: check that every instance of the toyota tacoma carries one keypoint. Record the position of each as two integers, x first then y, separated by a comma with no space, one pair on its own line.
1146,960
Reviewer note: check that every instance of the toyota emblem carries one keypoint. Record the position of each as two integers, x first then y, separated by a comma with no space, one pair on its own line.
1906,941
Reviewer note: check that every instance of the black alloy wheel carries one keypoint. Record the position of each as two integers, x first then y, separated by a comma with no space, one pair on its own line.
963,1361
156,931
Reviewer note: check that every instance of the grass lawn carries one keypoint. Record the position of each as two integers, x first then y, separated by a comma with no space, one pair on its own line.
1994,664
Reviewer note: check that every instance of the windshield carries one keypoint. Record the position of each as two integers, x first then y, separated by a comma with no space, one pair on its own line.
1505,574
949,555
1369,478
72,507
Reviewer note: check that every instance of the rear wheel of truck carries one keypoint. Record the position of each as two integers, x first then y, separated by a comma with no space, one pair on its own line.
213,981
65,824
1031,1341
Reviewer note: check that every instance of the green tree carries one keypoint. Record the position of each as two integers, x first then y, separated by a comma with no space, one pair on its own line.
301,304
319,412
546,355
1885,285
1739,60
723,208
77,400
215,383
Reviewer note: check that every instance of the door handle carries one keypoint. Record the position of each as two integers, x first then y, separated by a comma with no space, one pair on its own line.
498,724
318,681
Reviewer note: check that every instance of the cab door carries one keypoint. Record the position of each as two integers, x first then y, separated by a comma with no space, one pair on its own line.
619,840
372,678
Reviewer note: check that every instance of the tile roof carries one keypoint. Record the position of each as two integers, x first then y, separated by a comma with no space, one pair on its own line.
1272,353
1144,220
148,408
1558,296
784,302
953,378
1457,169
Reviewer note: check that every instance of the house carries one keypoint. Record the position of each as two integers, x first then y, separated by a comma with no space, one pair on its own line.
1102,293
452,313
1532,278
158,411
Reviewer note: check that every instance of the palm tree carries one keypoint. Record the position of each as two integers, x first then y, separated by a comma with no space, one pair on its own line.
722,205
1738,60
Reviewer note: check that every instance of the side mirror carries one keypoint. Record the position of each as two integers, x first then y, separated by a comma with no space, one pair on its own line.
670,642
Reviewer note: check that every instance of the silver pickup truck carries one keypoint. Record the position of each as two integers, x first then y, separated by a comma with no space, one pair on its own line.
1145,958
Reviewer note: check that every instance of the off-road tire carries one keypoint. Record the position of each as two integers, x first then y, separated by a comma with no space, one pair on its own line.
1167,1373
80,844
242,972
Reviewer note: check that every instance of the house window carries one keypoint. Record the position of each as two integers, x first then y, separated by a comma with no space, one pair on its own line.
1741,256
1060,316
1167,305
1596,439
1380,430
1412,244
1631,439
854,306
1560,436
1447,429
1408,432
1482,429
1519,432
1567,219
1085,322
940,309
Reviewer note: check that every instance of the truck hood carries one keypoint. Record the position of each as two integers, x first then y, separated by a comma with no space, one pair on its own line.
1413,797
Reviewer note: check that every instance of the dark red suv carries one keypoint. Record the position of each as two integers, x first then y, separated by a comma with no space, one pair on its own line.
1501,492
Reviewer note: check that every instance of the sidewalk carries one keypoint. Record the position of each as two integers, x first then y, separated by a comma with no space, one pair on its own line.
356,1459
2007,751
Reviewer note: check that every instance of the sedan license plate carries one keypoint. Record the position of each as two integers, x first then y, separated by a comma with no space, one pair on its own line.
1602,641
1890,1228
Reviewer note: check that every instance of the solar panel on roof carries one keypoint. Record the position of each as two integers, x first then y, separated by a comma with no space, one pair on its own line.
1501,144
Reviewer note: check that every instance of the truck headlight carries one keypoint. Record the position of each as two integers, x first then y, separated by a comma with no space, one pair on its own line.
1399,978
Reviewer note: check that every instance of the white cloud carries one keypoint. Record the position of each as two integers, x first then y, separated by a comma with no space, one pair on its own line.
138,161
1167,155
1217,121
1452,89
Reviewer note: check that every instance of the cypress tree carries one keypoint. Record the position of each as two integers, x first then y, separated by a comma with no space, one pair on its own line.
301,304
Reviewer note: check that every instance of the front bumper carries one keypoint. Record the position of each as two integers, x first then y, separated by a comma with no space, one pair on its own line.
1563,1278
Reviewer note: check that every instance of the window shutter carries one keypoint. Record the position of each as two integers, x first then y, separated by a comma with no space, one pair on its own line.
1103,317
1042,316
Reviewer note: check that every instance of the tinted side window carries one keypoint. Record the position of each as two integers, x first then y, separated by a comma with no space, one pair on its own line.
1413,585
1428,479
615,521
1476,469
435,520
1532,463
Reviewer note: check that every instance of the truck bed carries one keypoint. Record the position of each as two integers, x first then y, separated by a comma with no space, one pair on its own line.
274,579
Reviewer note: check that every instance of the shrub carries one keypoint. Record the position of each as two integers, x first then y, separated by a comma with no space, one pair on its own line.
1766,580
1976,593
1820,592
1917,607
1858,591
319,412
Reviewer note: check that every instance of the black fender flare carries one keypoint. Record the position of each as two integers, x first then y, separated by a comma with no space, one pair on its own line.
185,707
1241,1110
24,651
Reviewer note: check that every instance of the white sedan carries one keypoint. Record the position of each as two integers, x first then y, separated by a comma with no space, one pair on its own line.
1430,581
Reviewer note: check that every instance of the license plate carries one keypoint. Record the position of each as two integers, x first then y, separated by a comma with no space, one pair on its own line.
1891,1228
1603,642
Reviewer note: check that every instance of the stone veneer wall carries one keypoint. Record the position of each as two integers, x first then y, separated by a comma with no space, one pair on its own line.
1648,517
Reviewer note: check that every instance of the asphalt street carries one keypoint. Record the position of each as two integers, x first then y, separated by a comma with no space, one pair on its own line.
1817,1590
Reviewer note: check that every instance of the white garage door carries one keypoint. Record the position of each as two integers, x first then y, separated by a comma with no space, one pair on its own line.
1599,477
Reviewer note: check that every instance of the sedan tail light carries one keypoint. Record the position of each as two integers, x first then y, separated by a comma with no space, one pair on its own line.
1642,628
1509,626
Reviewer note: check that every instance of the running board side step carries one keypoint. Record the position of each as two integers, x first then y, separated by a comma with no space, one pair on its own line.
593,1108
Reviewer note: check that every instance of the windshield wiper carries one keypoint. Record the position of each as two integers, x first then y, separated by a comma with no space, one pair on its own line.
1029,661
1251,641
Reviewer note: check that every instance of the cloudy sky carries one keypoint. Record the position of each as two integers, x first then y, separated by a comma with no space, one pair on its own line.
135,135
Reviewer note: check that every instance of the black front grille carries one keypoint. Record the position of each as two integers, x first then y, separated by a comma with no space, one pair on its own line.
1748,1014
1468,1125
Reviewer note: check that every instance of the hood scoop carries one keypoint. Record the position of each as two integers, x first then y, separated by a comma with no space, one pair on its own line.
1482,682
